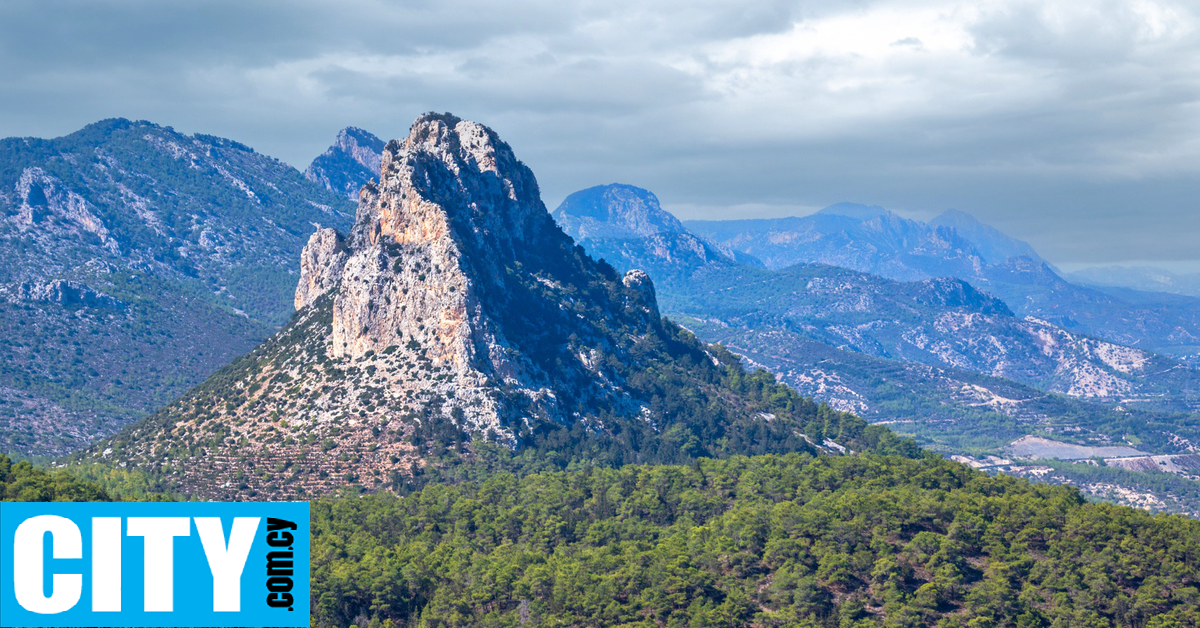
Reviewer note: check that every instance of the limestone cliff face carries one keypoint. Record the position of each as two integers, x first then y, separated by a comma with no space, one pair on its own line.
321,265
454,310
452,205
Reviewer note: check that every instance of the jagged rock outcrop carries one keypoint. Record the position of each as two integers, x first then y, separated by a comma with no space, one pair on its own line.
63,292
45,197
321,265
638,281
456,310
426,265
349,163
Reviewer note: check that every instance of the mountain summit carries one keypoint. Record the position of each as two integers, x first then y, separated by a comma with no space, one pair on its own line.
615,211
456,311
347,165
993,245
626,226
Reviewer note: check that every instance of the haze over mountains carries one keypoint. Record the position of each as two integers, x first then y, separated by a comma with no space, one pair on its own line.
877,241
1139,278
933,357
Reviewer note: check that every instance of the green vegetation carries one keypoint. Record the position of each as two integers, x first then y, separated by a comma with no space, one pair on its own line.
1178,494
768,541
23,482
792,540
186,247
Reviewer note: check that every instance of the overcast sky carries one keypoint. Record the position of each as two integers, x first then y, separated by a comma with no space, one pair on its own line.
1073,125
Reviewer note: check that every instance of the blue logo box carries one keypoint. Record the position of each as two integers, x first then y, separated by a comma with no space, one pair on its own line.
160,564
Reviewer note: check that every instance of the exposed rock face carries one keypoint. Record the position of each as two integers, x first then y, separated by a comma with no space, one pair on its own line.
321,264
66,293
639,281
429,245
350,163
44,197
455,309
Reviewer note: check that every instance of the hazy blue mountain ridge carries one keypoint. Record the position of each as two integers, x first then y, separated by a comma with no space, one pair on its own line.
877,241
936,355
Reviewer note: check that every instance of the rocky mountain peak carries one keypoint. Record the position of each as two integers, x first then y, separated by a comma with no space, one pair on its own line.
446,247
349,163
457,309
626,226
615,211
455,178
363,147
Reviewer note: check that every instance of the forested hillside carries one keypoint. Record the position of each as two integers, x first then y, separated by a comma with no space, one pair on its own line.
792,540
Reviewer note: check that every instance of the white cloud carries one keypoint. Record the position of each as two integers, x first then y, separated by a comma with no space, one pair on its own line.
1047,117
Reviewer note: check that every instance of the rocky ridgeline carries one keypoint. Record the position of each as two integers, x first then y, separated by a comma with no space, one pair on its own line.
423,273
348,164
136,261
456,310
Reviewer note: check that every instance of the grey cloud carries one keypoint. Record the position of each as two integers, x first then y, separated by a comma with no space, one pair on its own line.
1072,133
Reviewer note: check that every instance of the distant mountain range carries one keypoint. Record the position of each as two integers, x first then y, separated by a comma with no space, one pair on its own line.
137,260
874,240
456,311
923,351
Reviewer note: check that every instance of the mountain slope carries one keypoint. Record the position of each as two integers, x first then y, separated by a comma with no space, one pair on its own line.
137,261
877,241
627,226
936,359
944,323
348,164
456,309
991,244
938,322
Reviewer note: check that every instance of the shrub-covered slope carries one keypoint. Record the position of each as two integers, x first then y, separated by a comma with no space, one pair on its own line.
136,261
